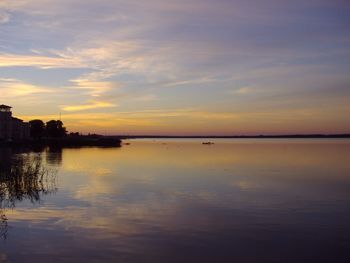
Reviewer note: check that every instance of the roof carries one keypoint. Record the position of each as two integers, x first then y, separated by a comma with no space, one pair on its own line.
2,106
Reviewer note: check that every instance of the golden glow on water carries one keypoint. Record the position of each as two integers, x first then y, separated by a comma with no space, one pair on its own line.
129,198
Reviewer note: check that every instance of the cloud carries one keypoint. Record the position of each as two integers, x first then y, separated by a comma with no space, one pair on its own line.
106,57
146,98
12,88
4,17
201,121
94,88
157,114
201,80
170,53
90,106
244,90
44,62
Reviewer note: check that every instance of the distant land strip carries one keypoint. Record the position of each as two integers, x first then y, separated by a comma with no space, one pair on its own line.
290,136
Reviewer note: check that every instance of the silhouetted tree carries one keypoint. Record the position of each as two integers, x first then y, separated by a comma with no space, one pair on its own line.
37,129
55,129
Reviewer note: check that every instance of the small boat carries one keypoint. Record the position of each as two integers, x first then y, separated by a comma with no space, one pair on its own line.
207,143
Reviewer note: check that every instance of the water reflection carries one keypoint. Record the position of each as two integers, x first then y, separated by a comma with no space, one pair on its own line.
235,201
54,155
22,177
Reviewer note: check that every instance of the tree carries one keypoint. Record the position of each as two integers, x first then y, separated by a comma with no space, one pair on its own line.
37,129
55,129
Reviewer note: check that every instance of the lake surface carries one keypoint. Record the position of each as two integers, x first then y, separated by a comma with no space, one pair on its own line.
178,201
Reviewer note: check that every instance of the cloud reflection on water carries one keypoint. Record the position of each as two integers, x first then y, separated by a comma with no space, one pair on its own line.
150,200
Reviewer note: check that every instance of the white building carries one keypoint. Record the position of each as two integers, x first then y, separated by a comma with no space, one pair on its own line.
12,128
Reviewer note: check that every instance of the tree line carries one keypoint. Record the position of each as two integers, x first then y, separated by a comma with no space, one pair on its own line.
50,129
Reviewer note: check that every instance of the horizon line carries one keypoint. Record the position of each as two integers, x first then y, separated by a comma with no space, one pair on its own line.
313,135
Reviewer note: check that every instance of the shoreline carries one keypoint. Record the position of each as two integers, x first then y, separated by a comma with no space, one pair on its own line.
292,136
117,141
66,142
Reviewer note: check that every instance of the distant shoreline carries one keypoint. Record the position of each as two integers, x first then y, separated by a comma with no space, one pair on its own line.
116,140
291,136
67,142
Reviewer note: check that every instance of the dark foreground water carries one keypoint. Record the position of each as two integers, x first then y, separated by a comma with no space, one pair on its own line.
178,201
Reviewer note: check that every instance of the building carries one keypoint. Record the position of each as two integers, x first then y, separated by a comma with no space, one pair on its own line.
11,128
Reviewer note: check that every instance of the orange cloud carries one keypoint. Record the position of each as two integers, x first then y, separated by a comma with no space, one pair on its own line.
93,105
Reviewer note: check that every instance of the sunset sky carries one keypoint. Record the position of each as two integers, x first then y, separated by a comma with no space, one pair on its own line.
207,67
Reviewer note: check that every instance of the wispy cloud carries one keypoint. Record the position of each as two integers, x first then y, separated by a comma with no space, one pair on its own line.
94,88
44,62
146,98
12,88
4,17
176,54
244,90
91,105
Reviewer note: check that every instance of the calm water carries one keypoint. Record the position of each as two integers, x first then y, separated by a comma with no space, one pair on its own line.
178,201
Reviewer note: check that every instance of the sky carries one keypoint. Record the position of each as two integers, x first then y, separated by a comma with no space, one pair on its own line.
178,67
